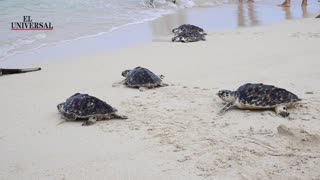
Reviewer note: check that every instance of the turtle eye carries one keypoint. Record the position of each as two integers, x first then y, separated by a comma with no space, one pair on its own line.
284,108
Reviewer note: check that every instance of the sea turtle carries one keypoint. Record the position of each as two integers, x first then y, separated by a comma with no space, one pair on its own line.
151,2
259,96
185,37
188,28
84,106
142,78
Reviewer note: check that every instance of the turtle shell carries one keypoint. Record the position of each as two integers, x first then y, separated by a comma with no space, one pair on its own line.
84,105
142,77
261,95
188,28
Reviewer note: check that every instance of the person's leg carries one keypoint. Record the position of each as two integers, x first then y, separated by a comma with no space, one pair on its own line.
286,3
304,3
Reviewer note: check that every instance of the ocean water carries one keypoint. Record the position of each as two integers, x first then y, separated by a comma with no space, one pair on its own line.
74,19
77,19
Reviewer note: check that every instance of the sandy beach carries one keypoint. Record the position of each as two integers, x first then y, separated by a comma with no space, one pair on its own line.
172,132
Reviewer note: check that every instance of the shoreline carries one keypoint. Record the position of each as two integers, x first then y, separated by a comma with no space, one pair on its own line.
246,16
172,132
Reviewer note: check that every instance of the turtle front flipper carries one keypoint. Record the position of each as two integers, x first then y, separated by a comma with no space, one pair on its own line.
92,120
69,116
226,107
177,38
118,84
282,111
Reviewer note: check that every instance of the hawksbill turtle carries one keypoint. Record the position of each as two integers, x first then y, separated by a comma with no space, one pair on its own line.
259,96
188,37
84,106
142,78
188,33
188,28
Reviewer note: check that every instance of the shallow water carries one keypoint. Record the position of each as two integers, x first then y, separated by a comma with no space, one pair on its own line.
71,19
76,19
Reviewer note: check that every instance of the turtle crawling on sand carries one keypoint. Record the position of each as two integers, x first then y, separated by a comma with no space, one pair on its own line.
151,2
141,78
188,33
84,106
259,96
188,37
188,28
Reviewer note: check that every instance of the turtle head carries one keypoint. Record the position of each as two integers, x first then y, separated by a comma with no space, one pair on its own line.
226,95
125,73
60,107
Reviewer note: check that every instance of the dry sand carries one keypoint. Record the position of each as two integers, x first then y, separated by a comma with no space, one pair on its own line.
172,132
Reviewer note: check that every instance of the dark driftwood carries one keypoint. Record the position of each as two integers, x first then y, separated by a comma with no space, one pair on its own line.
16,71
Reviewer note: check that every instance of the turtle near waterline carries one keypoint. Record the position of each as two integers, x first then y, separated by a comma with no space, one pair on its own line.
188,28
186,37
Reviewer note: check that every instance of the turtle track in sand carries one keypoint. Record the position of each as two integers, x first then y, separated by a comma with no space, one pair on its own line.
241,144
